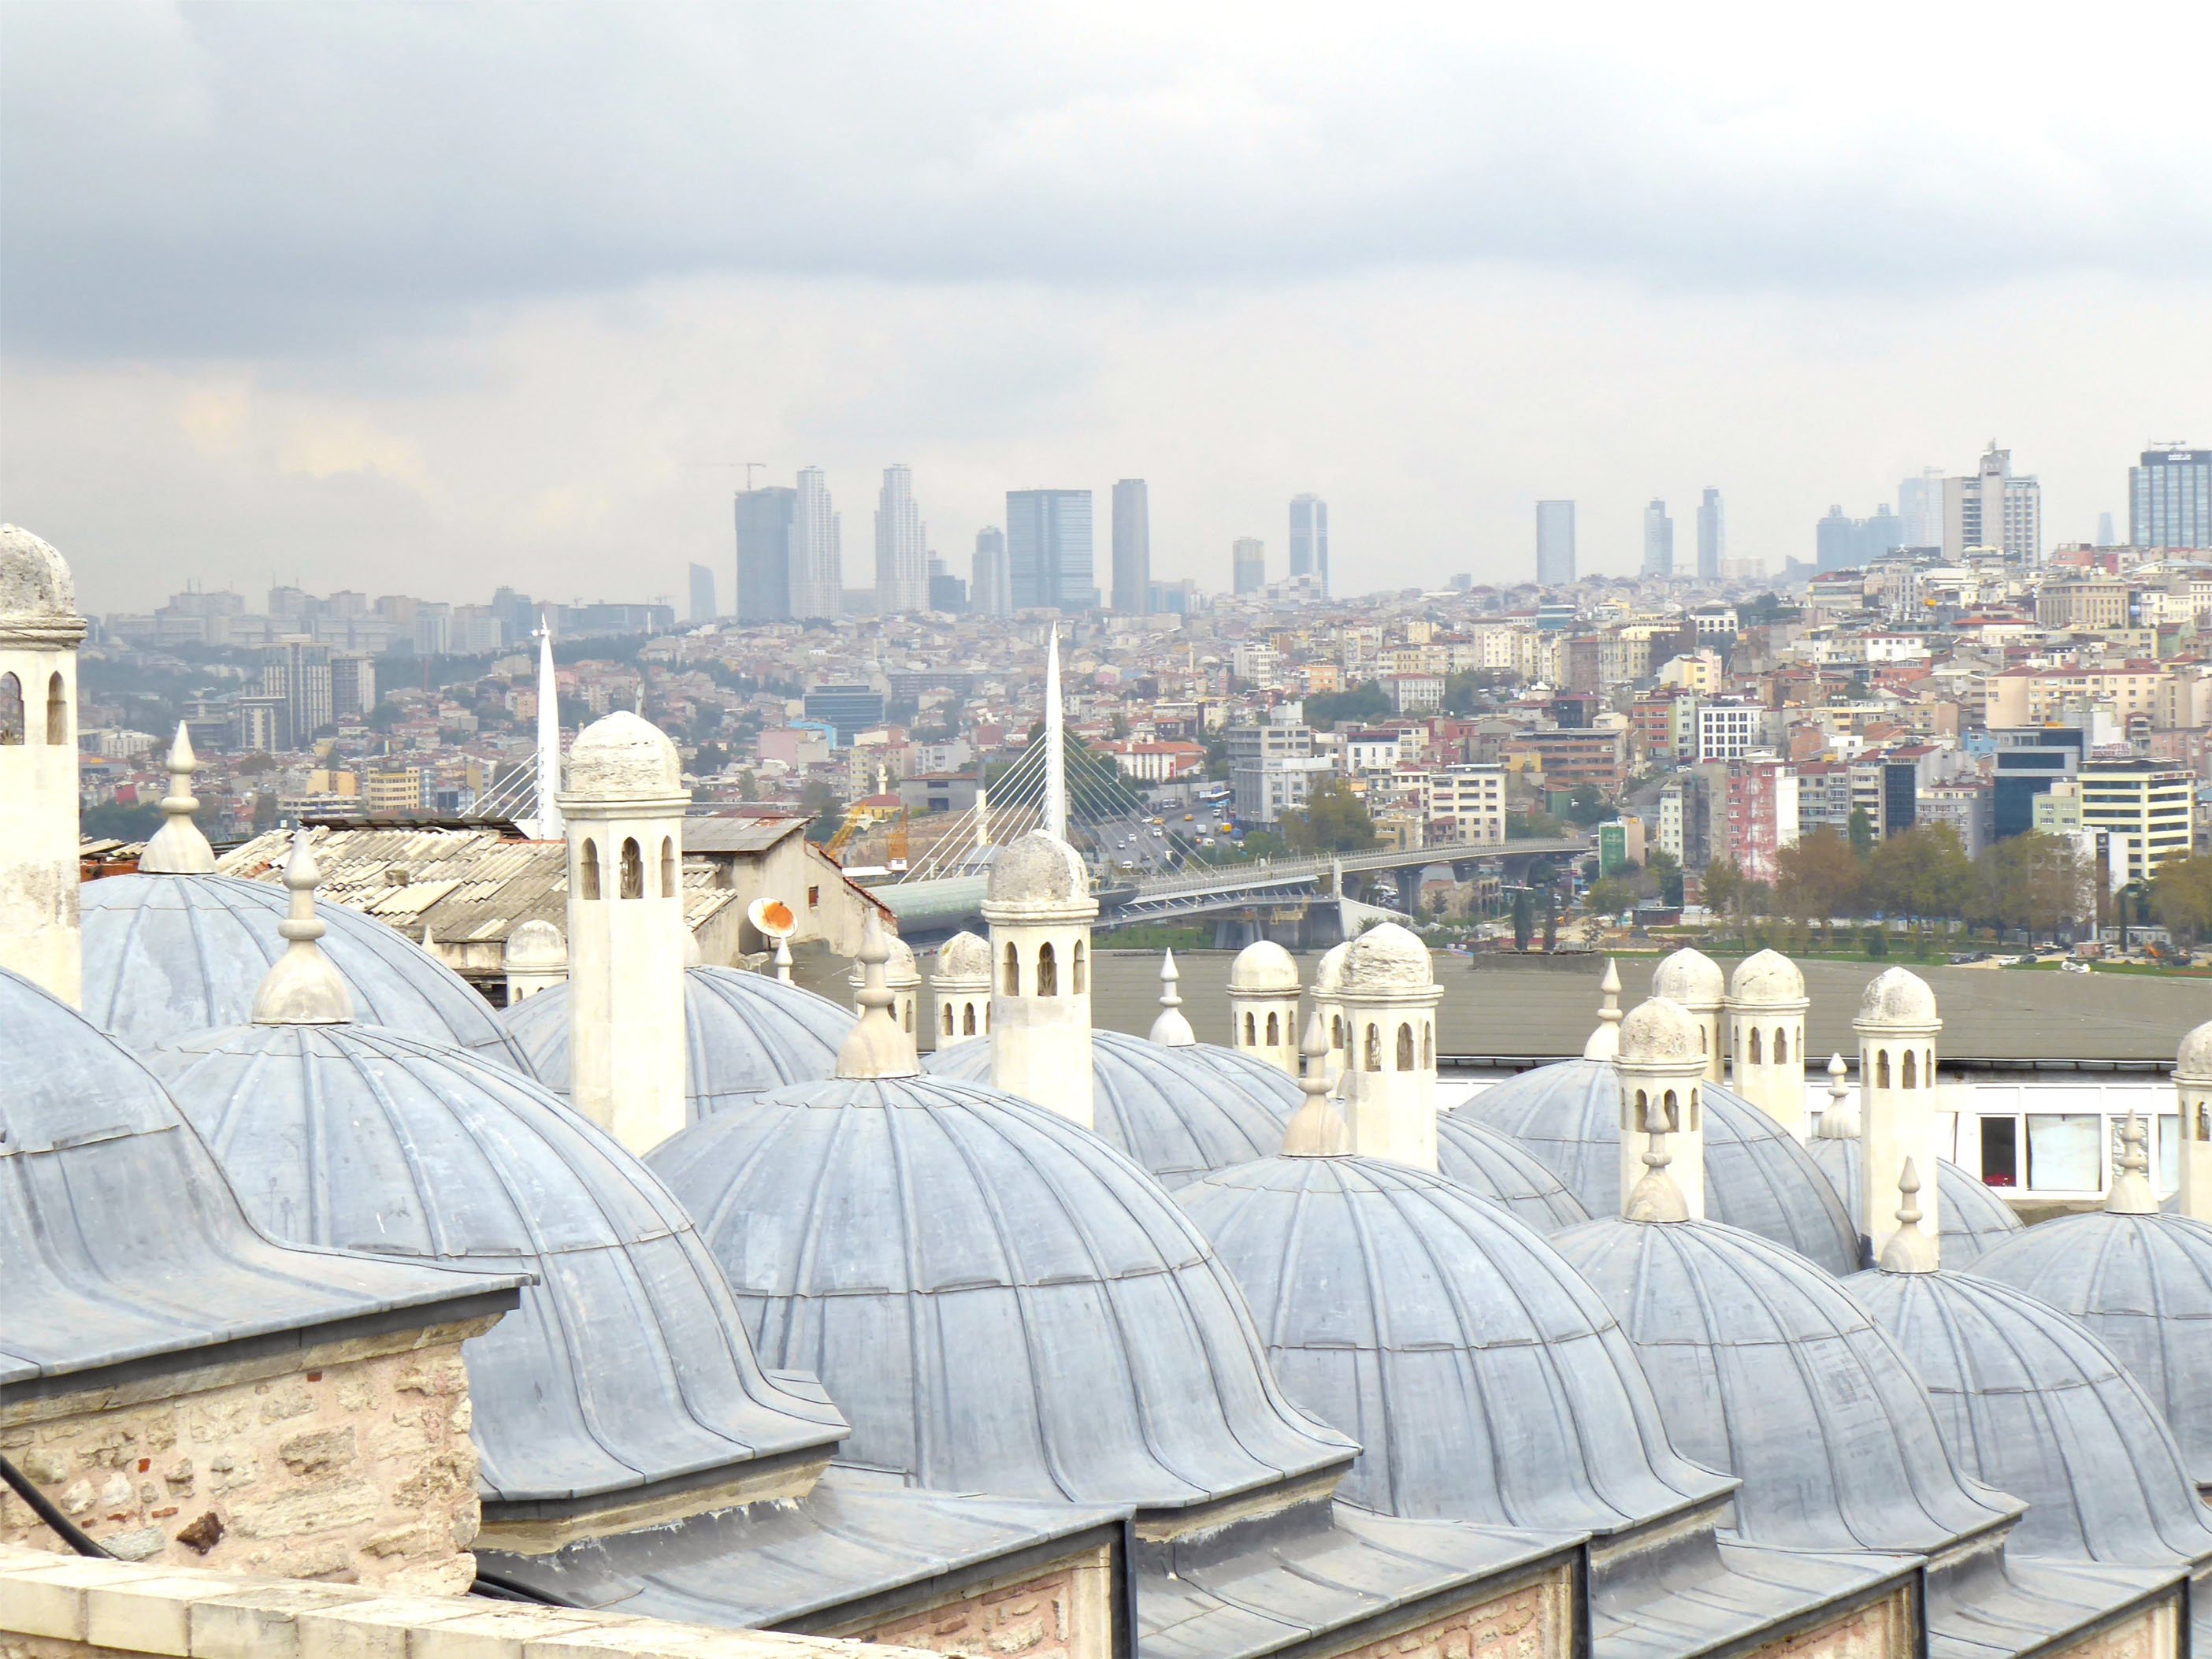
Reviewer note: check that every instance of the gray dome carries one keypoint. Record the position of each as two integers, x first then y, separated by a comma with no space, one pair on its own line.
743,1033
167,954
623,756
122,1238
2143,1285
1499,1168
1756,1176
1770,1371
1038,869
2030,1402
999,1301
627,1364
1177,1112
1972,1219
1485,1381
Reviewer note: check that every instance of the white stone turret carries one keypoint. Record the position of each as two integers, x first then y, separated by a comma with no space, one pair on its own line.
1604,1041
902,978
1910,1251
1263,1004
1663,1076
2131,1191
534,958
960,990
1317,1129
40,630
178,847
1328,979
301,987
1840,1120
1896,1027
1040,909
876,1047
1172,1028
1390,994
1692,979
1766,1005
624,813
2192,1089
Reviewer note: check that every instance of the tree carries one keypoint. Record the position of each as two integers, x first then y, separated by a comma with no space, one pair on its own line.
1610,897
1861,831
1587,806
1818,878
2033,881
2181,897
1524,918
1920,873
1551,919
828,811
1365,701
1334,820
1723,886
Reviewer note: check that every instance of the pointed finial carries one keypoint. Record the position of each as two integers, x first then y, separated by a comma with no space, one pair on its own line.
783,962
1837,1122
876,1048
1656,1197
1604,1041
1317,1128
301,987
1171,1029
178,847
2132,1192
1909,1249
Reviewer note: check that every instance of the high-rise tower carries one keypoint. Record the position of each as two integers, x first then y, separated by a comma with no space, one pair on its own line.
1712,536
1310,538
902,553
2170,498
1132,546
1048,549
1555,543
817,564
1658,540
765,518
988,591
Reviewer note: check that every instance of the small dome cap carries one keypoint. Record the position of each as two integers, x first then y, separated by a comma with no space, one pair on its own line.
1263,967
34,579
623,757
963,957
2194,1057
1691,978
1659,1029
1385,958
1038,869
1766,980
1897,996
534,944
1328,976
901,971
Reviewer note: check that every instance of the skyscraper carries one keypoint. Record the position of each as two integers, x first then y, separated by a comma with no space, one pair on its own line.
1555,543
765,518
1842,543
2106,530
1048,549
988,592
901,555
1133,547
1920,509
1658,540
1993,508
298,669
818,561
1248,564
1712,536
2170,498
702,594
1310,537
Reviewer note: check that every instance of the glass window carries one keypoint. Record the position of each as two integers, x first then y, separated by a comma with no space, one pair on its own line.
2000,1152
2063,1152
2169,1152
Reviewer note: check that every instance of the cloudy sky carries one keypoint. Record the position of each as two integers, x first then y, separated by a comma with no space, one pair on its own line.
428,298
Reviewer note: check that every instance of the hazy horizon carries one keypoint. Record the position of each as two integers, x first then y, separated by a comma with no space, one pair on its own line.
432,299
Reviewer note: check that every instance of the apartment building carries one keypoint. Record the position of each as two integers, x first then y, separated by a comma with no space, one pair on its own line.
2082,606
2152,804
1466,806
1728,731
1762,815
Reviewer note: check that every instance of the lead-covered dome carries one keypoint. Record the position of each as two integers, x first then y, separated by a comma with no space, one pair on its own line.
1177,1112
34,579
1897,996
1386,958
2142,1286
964,960
627,1365
1263,967
1483,1380
1767,979
1690,977
168,955
1038,869
998,1300
623,756
2031,1403
743,1033
1770,1371
1756,1176
1498,1169
1660,1029
1971,1219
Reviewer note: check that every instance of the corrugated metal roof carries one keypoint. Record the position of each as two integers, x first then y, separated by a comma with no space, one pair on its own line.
732,835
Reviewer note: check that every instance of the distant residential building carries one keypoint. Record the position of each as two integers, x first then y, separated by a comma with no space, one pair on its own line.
1658,540
1158,762
299,672
1567,758
1555,543
703,595
1728,731
989,591
1133,548
1994,508
353,685
1048,549
902,550
1969,807
817,561
2151,802
1824,797
1248,565
1271,766
765,519
1712,536
1466,806
1415,694
2088,606
1887,788
394,790
2170,498
2029,762
1762,815
848,709
1310,538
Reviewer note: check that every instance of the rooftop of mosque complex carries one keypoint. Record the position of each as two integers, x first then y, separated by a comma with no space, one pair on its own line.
673,1302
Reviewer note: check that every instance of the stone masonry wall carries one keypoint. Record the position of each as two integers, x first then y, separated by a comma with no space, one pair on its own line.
2153,1632
1535,1621
350,1461
1064,1612
1881,1630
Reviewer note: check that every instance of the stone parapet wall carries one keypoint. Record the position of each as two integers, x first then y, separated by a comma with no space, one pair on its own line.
69,1607
2150,1632
1065,1611
1535,1620
1882,1629
348,1460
